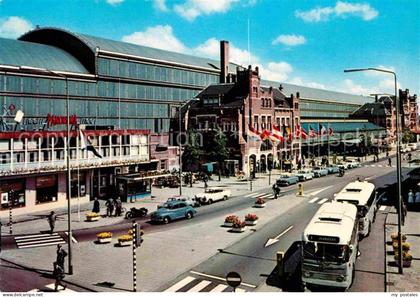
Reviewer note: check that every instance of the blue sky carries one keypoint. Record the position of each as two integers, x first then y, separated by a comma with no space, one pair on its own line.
304,42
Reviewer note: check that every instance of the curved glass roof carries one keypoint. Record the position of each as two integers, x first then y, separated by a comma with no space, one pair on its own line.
22,53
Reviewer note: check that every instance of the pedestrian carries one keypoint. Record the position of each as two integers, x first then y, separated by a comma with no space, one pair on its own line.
118,207
417,197
59,276
61,254
276,190
389,162
96,205
52,217
410,199
109,207
205,179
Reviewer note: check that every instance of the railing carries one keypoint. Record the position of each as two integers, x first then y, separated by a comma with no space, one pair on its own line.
60,165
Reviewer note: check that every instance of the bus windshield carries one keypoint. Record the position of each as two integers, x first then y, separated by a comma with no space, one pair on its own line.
323,251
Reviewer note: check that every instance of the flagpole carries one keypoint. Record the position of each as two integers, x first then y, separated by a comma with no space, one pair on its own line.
328,142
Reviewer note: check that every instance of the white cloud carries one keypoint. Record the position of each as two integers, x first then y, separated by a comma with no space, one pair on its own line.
277,71
191,9
114,2
14,26
341,9
351,87
297,80
160,5
159,37
290,40
380,74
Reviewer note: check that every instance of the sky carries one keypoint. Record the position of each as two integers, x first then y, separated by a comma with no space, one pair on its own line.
304,42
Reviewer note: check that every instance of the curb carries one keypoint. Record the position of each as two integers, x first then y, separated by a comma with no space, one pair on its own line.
37,271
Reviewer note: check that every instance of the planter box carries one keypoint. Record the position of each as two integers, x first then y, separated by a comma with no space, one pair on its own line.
92,219
238,230
227,224
251,223
260,205
125,242
405,263
105,240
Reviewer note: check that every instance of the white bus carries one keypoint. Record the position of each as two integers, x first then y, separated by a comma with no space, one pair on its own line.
362,194
329,247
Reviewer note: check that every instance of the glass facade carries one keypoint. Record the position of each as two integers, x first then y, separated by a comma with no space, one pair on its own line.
321,109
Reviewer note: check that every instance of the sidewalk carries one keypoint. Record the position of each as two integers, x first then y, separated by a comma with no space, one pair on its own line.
409,281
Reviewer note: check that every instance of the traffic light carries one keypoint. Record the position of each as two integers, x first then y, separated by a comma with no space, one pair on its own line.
139,235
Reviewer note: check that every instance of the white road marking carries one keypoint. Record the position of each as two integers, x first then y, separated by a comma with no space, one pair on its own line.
249,195
372,165
180,284
41,244
219,278
316,192
35,235
382,208
272,241
219,288
72,237
322,201
198,287
265,195
52,287
379,165
239,290
370,177
38,239
313,200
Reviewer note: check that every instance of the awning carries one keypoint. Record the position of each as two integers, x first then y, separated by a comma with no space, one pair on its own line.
343,126
139,176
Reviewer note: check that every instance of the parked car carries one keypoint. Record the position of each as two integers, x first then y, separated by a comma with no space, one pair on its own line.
333,169
319,171
342,166
190,201
287,179
211,195
171,211
412,146
305,175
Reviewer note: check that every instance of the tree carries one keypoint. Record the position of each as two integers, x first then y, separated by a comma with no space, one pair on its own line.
408,136
216,148
192,152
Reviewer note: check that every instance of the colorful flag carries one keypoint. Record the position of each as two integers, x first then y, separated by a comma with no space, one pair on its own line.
300,132
276,133
322,130
265,134
85,144
253,134
330,131
312,132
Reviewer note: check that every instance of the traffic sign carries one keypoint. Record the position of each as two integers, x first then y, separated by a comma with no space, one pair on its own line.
233,279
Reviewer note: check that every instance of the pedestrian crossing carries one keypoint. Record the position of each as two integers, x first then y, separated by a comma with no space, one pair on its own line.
260,195
379,165
318,200
195,284
38,240
51,288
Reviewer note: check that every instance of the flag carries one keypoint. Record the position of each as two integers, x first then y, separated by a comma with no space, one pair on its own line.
289,134
85,144
253,134
300,132
330,131
322,130
265,134
277,134
312,132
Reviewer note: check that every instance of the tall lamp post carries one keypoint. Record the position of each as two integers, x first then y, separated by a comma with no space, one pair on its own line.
179,141
68,193
397,103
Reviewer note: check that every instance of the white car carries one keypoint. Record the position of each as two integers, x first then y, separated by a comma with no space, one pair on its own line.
304,175
412,146
190,201
353,164
211,195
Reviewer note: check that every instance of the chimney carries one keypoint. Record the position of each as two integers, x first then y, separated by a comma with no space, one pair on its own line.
224,60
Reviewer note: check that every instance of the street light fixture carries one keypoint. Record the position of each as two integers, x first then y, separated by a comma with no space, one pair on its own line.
397,130
68,194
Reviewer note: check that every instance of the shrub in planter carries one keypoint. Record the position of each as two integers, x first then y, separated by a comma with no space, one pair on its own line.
394,237
125,240
406,258
251,217
406,246
260,201
239,224
230,220
92,216
104,237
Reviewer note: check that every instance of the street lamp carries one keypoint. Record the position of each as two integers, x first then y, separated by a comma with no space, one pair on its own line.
397,130
68,194
179,141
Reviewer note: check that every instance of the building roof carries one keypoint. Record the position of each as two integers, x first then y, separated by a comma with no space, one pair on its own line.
342,126
376,109
318,94
217,89
22,53
68,40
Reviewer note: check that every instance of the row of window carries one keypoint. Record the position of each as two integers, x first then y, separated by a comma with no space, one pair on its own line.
34,107
266,102
325,106
116,68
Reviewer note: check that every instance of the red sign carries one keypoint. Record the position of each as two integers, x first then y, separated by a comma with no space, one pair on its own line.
53,120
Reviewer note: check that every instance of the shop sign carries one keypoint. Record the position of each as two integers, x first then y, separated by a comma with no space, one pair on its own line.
4,197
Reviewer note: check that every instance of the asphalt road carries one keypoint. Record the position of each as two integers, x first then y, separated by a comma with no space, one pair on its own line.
256,263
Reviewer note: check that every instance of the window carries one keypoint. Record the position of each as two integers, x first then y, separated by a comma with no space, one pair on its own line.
256,122
269,122
263,123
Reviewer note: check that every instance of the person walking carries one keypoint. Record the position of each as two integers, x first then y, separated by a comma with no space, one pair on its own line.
404,212
389,162
109,207
276,190
51,218
118,207
61,255
96,205
410,199
59,276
